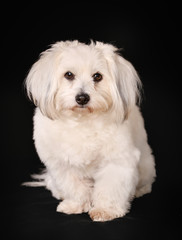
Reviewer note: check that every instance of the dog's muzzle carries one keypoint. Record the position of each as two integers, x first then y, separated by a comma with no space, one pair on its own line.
82,98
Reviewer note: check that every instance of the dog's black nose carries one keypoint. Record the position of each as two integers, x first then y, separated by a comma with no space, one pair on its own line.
82,98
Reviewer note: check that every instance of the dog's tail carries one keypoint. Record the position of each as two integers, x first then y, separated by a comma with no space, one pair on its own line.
38,180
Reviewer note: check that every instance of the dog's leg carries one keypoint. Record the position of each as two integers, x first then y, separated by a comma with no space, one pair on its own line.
114,187
147,173
77,193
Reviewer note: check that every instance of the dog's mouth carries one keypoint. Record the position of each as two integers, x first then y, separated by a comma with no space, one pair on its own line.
82,109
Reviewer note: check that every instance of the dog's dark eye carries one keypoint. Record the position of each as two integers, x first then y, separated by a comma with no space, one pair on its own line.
69,76
97,77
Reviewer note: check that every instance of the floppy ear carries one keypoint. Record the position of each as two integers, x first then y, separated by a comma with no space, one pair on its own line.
126,84
41,83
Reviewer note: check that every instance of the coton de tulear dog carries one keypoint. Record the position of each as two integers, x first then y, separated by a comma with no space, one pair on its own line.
88,130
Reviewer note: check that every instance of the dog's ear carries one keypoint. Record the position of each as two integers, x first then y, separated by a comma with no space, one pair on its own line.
126,83
41,82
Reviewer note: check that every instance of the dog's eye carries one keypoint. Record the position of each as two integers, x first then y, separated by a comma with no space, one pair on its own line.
97,77
69,76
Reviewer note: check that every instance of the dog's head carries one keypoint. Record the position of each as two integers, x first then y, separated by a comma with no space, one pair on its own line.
83,79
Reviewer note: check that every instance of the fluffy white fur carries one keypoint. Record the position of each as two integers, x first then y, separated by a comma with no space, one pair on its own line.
96,155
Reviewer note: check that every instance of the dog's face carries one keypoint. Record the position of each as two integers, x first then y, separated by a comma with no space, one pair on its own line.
82,79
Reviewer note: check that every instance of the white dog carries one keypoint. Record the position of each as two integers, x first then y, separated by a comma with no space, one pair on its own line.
88,131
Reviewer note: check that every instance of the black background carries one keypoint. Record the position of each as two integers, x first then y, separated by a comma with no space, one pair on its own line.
149,36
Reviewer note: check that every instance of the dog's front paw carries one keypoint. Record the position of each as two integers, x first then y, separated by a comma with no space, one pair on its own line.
102,215
72,207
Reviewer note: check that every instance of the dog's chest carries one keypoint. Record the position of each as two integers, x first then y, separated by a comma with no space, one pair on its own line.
81,145
78,145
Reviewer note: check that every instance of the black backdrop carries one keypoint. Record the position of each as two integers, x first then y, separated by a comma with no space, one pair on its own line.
149,37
